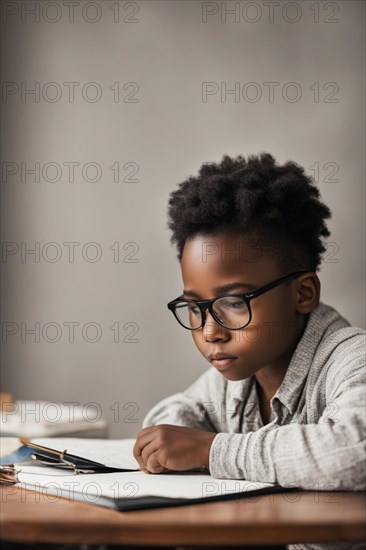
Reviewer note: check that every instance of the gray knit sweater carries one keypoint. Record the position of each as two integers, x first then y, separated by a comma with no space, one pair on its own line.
315,439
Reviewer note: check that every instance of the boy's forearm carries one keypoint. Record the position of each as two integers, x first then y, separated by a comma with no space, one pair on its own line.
309,456
192,407
177,409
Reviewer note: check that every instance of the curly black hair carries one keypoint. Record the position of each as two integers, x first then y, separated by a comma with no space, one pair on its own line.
276,206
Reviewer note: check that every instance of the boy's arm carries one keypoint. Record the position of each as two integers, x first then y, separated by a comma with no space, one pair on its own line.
329,455
189,408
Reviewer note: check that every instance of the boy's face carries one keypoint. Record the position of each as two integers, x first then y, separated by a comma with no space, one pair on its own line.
271,337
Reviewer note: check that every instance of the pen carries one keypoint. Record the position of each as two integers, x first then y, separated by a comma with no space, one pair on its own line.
8,474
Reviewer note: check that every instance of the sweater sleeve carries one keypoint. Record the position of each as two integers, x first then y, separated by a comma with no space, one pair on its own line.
328,455
190,408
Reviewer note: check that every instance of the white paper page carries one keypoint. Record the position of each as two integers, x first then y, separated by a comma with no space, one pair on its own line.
116,453
131,485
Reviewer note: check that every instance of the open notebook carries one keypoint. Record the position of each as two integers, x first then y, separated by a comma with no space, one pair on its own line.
130,490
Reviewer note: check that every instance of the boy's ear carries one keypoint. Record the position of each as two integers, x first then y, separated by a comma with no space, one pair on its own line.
308,292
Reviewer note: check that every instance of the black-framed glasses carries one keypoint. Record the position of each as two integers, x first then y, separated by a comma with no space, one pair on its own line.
231,311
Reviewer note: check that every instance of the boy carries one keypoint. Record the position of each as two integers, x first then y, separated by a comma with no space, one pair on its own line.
284,400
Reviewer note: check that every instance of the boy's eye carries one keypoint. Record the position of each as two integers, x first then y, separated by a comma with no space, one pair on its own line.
188,306
236,305
192,308
233,303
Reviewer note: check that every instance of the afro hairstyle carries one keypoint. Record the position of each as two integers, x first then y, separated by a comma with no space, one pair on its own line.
277,206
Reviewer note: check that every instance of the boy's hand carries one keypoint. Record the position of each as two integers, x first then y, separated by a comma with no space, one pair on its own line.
167,447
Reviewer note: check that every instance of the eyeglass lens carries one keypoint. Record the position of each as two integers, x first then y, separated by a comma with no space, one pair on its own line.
231,311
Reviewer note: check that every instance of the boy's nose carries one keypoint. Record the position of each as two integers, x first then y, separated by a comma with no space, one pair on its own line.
212,330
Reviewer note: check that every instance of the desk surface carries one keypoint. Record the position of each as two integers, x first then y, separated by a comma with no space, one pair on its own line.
283,518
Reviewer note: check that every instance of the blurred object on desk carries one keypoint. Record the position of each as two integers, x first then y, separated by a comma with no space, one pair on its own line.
6,401
29,419
8,445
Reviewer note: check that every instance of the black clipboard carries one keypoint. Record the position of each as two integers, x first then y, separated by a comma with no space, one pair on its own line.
148,502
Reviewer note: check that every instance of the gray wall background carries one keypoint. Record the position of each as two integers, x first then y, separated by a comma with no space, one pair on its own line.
167,132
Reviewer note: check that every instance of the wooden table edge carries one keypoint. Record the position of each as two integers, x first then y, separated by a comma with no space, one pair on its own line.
107,526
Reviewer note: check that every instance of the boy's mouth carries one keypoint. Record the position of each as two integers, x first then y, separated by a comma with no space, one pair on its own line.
221,360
